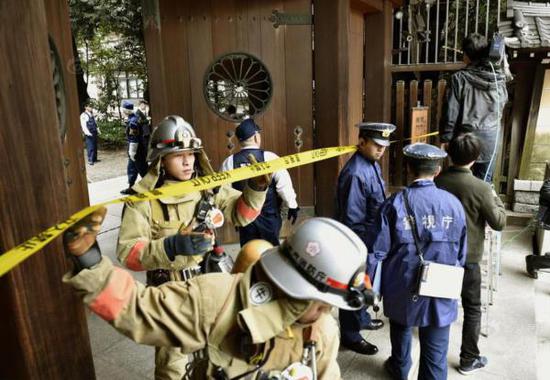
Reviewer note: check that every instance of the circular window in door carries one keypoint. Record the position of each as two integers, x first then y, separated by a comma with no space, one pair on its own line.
237,86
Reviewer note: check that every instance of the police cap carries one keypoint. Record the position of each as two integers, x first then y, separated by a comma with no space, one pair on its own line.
422,151
247,129
379,132
127,105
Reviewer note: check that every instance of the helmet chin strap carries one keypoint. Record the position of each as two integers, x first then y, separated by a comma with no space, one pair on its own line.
150,180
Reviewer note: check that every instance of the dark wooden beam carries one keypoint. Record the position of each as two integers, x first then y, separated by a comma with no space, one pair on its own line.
532,122
368,6
427,67
43,333
155,60
378,81
524,76
59,27
331,93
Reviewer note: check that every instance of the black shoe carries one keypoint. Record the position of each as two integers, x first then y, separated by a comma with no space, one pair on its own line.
97,161
362,347
127,191
530,267
374,324
91,163
474,366
390,370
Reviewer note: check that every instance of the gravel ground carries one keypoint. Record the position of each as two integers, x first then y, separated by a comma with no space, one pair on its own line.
112,164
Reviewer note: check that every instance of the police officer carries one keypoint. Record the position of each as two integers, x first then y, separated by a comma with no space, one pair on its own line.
359,194
90,130
268,224
137,147
144,120
272,322
441,225
166,236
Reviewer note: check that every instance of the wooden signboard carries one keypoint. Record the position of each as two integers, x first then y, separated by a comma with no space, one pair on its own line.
420,123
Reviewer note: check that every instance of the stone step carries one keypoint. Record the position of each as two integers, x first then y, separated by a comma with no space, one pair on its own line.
518,218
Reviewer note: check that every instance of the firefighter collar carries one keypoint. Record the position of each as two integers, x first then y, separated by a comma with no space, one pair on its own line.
270,318
195,196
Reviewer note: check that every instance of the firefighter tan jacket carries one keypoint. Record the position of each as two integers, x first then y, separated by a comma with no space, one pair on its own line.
214,312
145,225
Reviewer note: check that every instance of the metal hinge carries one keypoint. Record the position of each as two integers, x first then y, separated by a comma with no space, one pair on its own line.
281,18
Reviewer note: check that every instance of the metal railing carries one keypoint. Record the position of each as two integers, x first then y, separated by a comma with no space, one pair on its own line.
431,31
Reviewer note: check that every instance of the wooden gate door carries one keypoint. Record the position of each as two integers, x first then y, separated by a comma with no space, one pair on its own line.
188,39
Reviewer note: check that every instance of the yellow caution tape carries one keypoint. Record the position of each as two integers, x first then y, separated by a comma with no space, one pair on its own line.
416,137
16,255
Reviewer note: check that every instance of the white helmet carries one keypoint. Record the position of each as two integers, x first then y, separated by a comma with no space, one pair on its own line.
173,134
322,260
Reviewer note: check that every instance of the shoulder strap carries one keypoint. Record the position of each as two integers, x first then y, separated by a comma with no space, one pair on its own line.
412,222
159,211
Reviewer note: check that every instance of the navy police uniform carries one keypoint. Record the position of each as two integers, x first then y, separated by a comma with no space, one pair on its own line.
134,134
359,194
267,225
441,225
89,127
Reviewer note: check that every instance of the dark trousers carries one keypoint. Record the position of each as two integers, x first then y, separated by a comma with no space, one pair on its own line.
351,322
471,302
91,148
266,227
139,166
434,343
480,169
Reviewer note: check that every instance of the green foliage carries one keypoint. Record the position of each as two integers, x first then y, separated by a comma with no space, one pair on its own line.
111,34
112,133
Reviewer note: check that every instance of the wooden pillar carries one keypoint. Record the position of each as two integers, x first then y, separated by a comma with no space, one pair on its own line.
378,81
331,93
59,28
520,109
155,60
43,332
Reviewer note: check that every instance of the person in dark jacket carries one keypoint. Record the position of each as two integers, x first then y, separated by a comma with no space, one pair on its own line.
475,100
144,120
544,203
441,225
137,148
542,261
359,194
482,206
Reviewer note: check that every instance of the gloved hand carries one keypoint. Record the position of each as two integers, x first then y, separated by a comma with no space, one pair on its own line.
188,244
261,182
293,215
80,240
132,150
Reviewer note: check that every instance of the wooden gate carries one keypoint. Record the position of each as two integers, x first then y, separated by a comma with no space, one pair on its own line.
184,39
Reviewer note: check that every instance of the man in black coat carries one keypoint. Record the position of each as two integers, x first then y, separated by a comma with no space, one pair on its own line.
475,100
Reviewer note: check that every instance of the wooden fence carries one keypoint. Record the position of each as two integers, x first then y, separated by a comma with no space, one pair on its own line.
406,95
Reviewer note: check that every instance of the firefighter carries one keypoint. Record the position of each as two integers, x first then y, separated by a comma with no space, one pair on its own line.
271,322
169,237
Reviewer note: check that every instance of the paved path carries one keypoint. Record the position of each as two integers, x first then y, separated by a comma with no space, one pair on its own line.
518,346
